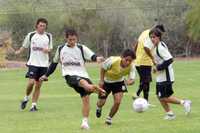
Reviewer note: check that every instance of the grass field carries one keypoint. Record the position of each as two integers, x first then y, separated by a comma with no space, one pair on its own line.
59,106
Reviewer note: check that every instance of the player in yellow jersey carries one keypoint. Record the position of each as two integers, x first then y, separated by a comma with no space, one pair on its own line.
144,61
112,79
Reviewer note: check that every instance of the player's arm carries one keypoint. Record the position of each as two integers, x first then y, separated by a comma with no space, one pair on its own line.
25,45
167,57
164,65
148,52
131,77
52,66
147,48
106,65
135,46
102,74
89,55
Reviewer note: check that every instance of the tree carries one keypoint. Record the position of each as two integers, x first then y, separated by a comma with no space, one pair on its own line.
193,19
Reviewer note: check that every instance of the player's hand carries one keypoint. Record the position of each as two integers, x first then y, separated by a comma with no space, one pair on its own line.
154,70
154,63
43,78
129,82
46,50
100,59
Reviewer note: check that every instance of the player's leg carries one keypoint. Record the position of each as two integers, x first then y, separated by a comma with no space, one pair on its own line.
31,75
40,71
90,87
36,95
146,79
29,89
85,111
117,101
169,113
100,103
186,103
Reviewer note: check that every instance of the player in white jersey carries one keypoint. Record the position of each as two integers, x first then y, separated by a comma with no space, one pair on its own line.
165,76
39,43
72,56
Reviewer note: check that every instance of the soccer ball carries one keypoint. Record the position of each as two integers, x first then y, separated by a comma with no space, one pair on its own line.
140,105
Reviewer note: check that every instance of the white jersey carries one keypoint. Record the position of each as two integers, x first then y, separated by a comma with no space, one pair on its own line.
37,42
71,60
161,54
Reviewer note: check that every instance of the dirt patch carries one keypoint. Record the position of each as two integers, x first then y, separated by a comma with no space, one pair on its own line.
188,58
13,64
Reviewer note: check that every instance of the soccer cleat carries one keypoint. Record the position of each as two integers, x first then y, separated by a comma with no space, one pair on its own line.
108,121
23,104
85,125
169,117
33,109
98,112
187,106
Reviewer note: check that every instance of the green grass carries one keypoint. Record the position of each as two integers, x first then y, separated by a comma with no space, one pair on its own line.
60,106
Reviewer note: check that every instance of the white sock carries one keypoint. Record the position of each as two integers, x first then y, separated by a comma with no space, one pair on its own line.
109,118
26,98
170,112
85,119
34,104
182,102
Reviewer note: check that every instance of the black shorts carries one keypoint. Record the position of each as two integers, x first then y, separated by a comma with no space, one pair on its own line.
73,81
114,88
144,73
35,72
164,89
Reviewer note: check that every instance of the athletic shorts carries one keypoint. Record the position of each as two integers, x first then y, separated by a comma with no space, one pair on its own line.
73,81
164,89
144,73
35,72
114,88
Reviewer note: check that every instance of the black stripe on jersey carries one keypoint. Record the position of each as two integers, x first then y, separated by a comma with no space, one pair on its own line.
29,49
167,75
49,36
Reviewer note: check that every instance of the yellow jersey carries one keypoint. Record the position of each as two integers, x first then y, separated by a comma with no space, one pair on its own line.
114,71
141,56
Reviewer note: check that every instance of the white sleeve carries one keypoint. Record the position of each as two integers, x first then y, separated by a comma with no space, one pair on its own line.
164,53
107,63
26,42
132,74
87,53
148,43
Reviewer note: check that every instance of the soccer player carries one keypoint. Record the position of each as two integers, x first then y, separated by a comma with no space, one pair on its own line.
39,43
165,76
112,79
144,62
72,56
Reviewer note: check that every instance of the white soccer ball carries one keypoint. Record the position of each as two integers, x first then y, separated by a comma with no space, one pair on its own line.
140,105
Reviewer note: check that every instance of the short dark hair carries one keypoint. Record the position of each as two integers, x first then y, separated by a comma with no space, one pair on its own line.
160,27
129,52
43,20
70,31
156,32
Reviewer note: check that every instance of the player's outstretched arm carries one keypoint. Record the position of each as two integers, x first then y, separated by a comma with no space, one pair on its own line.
50,70
19,51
